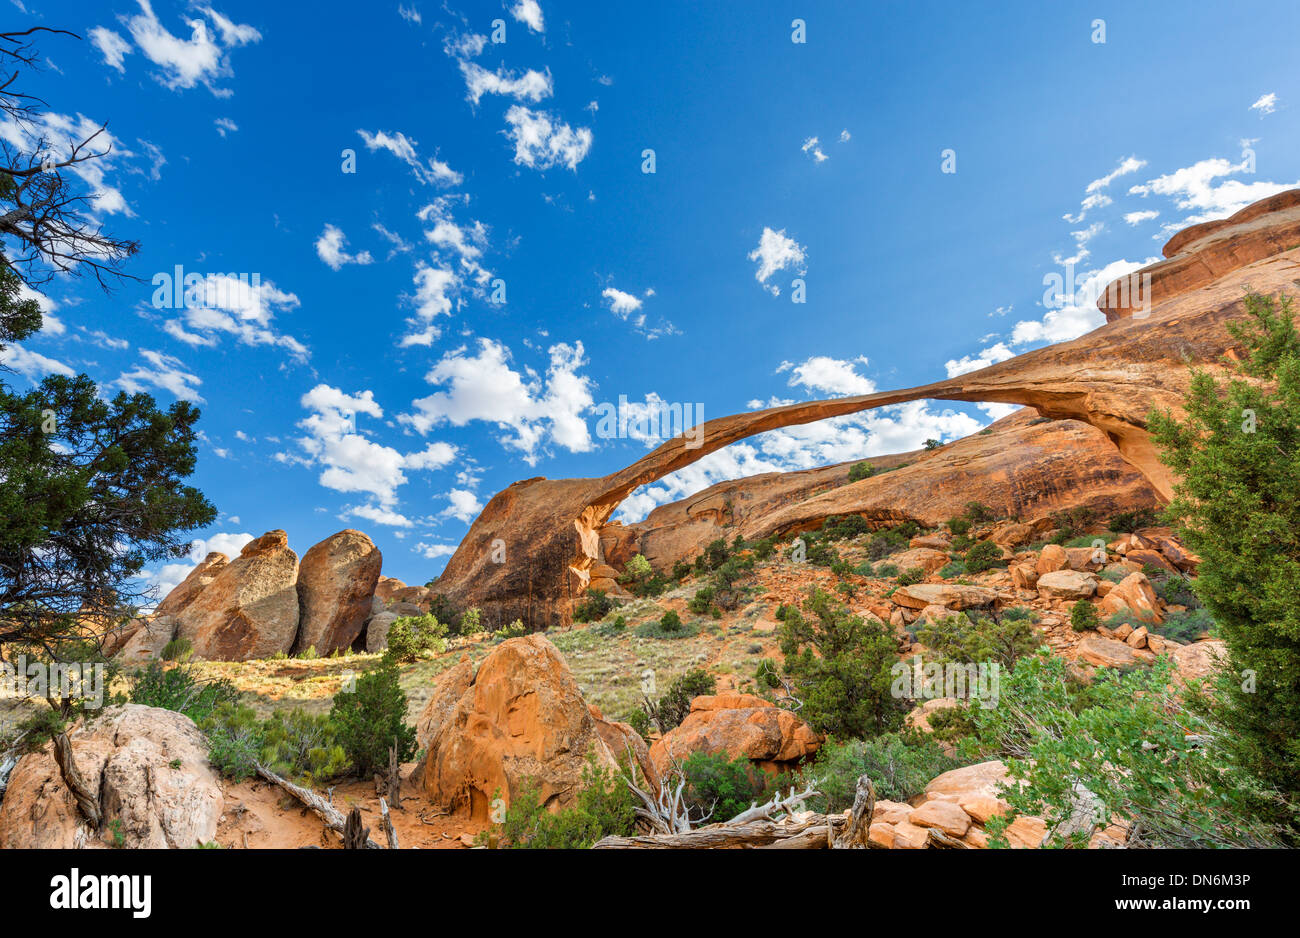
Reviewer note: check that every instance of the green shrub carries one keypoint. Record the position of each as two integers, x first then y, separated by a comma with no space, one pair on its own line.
1083,616
887,571
985,555
1129,738
303,746
471,621
718,787
605,806
1126,522
234,740
979,513
910,576
372,719
861,470
179,689
674,705
958,526
956,568
670,621
959,639
842,664
412,636
884,543
178,649
594,608
515,629
764,548
765,674
653,629
900,766
1187,627
843,527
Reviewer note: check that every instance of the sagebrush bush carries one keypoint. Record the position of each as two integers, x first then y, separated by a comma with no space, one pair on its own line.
594,608
411,636
179,688
1083,616
900,766
604,806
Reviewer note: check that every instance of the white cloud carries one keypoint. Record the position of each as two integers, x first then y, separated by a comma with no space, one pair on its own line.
1197,189
1069,317
434,551
184,63
621,304
811,147
542,141
529,12
833,376
225,126
845,136
776,252
530,86
351,462
465,505
1266,103
61,131
432,288
240,306
1136,218
432,172
161,371
169,576
331,247
483,387
989,356
111,46
410,14
32,364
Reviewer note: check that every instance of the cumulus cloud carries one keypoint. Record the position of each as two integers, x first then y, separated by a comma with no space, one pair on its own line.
351,462
1204,190
225,126
331,247
529,12
541,140
813,149
463,505
775,252
534,410
161,371
61,132
989,356
240,306
1071,315
530,86
33,365
825,375
165,579
182,63
430,172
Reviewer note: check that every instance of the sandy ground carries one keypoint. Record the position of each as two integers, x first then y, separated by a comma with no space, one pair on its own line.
260,815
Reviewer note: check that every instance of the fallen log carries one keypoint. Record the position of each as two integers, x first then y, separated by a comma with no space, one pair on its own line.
331,815
725,836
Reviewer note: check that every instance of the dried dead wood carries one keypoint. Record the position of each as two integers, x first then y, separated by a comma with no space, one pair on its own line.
389,830
86,801
331,815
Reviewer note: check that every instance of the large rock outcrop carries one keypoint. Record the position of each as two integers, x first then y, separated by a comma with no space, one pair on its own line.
147,768
336,581
735,725
1110,378
190,587
250,609
518,719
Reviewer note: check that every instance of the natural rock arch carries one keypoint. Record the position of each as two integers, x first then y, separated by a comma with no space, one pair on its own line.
531,548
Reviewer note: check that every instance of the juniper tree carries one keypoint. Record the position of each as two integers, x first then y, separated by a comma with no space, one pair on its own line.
1237,502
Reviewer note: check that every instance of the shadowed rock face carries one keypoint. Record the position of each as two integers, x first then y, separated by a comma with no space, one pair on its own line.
532,548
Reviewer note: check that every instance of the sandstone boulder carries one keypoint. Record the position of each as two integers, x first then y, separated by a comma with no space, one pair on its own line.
147,768
1133,595
148,642
250,609
190,587
1066,584
738,725
377,631
948,595
520,718
1052,558
925,558
1200,659
1108,653
336,582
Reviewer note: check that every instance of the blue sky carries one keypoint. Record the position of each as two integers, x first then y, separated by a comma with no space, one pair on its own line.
365,373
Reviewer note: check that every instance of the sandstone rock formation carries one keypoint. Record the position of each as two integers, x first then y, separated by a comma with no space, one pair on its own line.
520,717
737,725
336,581
190,587
1110,378
250,609
147,642
147,768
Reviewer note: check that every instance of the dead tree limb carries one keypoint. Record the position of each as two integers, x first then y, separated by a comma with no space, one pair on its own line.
331,815
86,802
857,830
776,805
356,836
722,836
389,830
